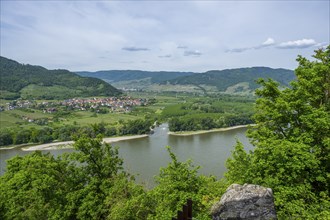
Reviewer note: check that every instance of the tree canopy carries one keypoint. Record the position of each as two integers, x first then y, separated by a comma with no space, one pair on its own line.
292,142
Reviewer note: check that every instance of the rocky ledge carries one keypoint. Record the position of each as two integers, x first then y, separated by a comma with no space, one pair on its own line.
245,202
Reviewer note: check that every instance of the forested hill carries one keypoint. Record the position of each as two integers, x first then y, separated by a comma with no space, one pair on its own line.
28,81
223,79
127,75
231,81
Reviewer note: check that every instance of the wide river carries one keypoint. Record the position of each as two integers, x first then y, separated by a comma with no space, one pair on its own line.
144,156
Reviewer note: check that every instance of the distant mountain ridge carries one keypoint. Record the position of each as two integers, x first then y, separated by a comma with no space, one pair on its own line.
222,79
240,80
29,81
127,75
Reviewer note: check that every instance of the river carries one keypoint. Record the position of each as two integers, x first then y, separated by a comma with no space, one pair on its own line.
143,157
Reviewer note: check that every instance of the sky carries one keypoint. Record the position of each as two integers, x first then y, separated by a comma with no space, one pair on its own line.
172,35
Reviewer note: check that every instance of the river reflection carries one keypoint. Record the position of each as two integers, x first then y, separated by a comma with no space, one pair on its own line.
143,157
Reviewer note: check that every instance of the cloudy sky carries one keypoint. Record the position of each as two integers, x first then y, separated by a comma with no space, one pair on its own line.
163,35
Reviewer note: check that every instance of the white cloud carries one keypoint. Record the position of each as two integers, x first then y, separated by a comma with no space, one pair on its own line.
304,43
268,42
296,44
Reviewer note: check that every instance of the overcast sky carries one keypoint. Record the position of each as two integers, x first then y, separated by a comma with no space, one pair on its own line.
163,35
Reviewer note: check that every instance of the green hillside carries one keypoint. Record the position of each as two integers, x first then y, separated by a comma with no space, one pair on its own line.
128,75
242,77
230,81
28,81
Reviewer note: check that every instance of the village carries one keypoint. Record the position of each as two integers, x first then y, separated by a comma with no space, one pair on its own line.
112,104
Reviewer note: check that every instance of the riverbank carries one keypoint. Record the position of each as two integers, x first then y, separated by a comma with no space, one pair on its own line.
188,133
69,144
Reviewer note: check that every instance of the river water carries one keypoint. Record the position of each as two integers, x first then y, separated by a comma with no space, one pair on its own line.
143,157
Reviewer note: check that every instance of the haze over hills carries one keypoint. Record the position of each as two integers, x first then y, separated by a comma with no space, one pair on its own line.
222,79
127,75
29,81
230,81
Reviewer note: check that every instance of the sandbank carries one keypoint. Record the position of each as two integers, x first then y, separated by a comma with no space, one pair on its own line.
69,144
187,133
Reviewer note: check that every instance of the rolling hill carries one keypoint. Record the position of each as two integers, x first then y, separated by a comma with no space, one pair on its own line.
230,81
29,81
129,75
224,79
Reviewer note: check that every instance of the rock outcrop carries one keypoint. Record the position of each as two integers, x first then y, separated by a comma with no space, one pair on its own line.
245,202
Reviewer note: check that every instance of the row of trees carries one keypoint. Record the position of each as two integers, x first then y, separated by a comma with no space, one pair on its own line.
205,122
48,134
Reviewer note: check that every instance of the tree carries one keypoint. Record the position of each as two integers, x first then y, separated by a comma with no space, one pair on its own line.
22,136
87,184
292,142
5,138
99,164
179,181
34,187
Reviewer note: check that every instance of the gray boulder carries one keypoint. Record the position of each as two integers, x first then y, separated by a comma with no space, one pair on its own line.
245,202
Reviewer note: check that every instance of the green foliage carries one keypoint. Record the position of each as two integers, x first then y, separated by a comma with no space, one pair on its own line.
237,165
179,181
40,83
87,184
46,134
91,184
34,187
209,113
292,142
138,126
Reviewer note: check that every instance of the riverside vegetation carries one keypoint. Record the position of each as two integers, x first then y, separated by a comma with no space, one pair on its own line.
42,123
291,156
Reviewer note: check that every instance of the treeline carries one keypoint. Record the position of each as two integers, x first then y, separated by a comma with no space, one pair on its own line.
47,134
209,113
205,122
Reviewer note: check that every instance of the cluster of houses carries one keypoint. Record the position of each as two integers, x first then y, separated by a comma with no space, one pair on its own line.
114,104
17,104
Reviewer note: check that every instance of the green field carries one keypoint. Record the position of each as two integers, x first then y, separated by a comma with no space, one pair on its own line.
85,118
165,106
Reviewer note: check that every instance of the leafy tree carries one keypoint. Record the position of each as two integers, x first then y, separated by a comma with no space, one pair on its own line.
5,138
34,187
292,142
22,136
101,166
87,184
179,181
